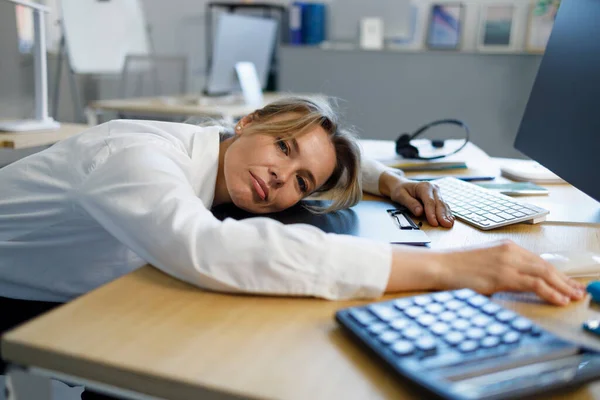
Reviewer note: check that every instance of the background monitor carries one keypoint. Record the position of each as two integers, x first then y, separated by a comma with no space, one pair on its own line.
240,38
560,128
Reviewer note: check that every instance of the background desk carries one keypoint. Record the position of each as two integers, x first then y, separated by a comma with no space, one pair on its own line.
150,333
22,140
186,106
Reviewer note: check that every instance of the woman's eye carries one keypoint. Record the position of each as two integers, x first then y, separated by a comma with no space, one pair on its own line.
283,146
302,184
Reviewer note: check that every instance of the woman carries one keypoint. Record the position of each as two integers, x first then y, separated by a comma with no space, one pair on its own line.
125,193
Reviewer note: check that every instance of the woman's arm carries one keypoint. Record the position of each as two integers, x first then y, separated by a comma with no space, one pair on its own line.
500,266
418,197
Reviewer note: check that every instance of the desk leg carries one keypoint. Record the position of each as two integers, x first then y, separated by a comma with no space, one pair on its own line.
92,116
22,385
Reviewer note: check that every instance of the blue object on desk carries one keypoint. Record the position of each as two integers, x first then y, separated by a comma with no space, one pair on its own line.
593,288
461,177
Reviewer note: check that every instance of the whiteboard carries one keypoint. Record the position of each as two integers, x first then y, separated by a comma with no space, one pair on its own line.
100,33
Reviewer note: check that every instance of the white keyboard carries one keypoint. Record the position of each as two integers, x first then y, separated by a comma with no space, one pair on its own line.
485,208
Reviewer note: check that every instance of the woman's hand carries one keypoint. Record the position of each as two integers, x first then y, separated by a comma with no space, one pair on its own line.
504,266
495,267
418,197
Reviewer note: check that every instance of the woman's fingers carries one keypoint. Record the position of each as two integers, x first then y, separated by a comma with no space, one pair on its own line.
425,193
405,198
539,286
442,211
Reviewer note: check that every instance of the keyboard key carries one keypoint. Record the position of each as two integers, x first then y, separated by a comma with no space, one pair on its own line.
463,294
453,338
403,348
377,328
388,336
434,308
468,346
440,328
491,308
362,316
414,311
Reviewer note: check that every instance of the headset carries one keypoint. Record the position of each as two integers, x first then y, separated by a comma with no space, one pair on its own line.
407,150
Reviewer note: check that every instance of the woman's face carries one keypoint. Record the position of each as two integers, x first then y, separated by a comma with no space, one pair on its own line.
264,174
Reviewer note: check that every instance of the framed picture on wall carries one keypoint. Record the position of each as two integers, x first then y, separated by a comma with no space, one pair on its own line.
445,26
497,27
541,22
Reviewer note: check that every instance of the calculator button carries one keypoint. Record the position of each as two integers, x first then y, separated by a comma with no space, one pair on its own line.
521,324
422,300
402,304
461,324
463,294
535,331
442,297
403,348
490,341
481,320
440,328
453,338
454,305
511,337
414,311
399,324
377,328
389,336
426,319
362,316
434,308
447,316
466,312
468,346
475,333
491,308
497,329
384,312
477,301
505,316
412,332
426,344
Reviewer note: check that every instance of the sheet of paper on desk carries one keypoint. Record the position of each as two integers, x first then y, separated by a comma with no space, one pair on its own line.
384,151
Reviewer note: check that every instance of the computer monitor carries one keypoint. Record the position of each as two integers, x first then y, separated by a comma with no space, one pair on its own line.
240,38
560,128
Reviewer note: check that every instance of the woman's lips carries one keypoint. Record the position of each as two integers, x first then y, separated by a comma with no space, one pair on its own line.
261,188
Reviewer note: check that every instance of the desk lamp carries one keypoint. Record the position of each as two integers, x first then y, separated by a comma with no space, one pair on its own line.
42,120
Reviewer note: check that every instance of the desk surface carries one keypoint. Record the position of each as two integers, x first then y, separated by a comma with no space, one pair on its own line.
22,140
191,105
153,334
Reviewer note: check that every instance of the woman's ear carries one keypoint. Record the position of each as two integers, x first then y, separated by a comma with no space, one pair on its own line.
243,123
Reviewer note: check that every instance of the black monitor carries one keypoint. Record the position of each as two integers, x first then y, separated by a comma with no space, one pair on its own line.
561,125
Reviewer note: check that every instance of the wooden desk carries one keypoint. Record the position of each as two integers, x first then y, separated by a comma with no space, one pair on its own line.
22,140
149,333
185,106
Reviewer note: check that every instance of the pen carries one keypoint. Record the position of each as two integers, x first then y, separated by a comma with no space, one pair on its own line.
461,177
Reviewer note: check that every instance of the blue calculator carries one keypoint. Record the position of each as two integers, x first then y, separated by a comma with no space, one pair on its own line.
460,345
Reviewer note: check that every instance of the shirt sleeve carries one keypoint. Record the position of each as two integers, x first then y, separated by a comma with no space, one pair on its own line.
371,171
142,196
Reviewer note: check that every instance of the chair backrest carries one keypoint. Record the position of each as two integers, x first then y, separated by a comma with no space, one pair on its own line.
152,75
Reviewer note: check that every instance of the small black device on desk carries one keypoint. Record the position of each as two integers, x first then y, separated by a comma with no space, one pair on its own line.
460,345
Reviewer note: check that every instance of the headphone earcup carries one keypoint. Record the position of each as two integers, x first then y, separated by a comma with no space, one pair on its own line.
404,148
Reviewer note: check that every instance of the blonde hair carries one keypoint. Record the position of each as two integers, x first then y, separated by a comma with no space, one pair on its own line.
344,185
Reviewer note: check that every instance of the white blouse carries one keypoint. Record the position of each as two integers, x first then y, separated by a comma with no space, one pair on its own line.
125,193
